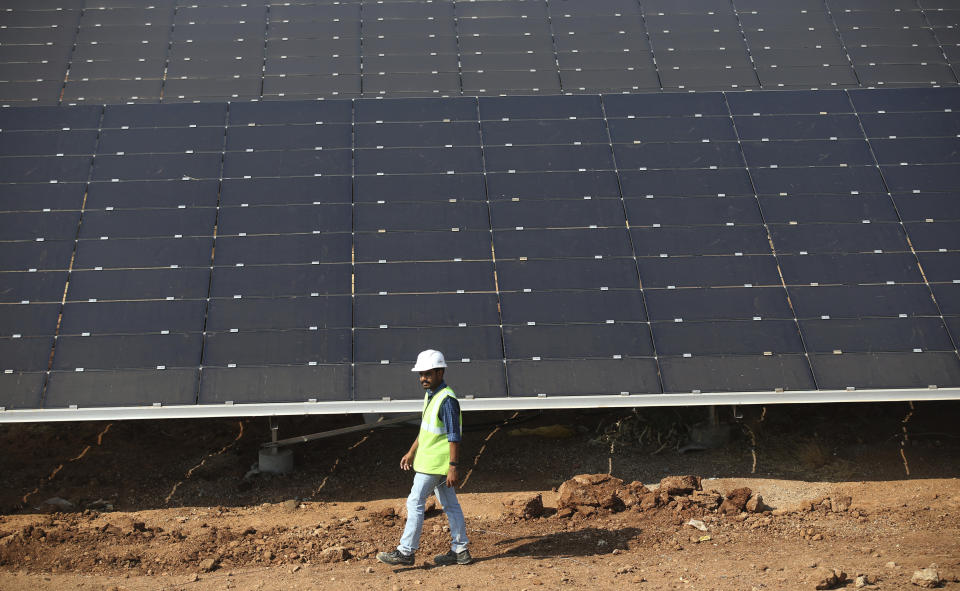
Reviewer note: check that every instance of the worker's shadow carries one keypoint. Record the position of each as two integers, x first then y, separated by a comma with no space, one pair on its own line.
585,542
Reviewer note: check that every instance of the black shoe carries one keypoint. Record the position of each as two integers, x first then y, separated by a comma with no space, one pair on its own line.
452,557
395,557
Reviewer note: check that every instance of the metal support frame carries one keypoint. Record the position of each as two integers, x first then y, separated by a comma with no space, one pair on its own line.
475,404
274,443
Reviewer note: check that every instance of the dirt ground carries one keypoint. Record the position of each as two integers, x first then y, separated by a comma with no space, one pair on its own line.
175,504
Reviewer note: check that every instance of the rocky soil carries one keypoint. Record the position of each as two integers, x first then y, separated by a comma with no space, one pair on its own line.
562,500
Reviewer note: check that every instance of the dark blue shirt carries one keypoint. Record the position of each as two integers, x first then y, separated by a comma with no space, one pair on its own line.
449,413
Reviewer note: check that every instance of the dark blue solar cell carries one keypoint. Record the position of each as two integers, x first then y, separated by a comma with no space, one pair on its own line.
418,187
539,107
458,342
792,102
179,115
552,184
905,99
735,373
846,269
875,335
709,271
582,377
827,208
577,341
839,180
700,240
416,109
595,306
688,182
655,105
567,274
859,301
919,177
579,243
424,277
849,238
287,112
734,303
683,211
254,191
739,337
422,246
557,213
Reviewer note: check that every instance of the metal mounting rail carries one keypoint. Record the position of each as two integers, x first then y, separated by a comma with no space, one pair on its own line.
342,431
196,411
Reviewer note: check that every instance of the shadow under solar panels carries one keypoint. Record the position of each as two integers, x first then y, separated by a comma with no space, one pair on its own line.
886,370
121,388
477,379
577,341
735,373
583,377
429,309
595,306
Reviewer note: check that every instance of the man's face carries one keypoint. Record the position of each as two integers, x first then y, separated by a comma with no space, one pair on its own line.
431,378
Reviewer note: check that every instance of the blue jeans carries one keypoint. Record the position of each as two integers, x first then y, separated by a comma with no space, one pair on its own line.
423,485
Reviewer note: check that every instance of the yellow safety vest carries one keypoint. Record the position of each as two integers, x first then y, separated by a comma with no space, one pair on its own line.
433,449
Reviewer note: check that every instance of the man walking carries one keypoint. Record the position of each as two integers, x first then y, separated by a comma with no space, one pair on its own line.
433,456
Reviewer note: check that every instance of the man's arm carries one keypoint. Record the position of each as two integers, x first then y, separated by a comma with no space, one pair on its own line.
453,474
406,462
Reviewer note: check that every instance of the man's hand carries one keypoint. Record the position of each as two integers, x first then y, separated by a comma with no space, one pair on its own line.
406,462
453,478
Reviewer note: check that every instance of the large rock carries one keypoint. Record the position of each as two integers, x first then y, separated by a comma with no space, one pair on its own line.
708,500
680,485
590,490
524,505
755,504
335,554
928,578
830,578
736,501
633,493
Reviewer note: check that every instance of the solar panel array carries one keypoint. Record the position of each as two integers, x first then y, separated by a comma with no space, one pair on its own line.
551,245
116,51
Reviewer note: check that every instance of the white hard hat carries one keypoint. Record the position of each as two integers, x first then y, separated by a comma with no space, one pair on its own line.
428,360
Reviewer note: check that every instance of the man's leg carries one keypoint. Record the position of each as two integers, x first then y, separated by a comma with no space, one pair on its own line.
451,506
422,485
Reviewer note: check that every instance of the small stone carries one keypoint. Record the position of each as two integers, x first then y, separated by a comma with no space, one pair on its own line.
891,564
928,578
524,505
680,485
207,564
193,578
840,504
370,570
817,537
755,504
290,504
860,581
